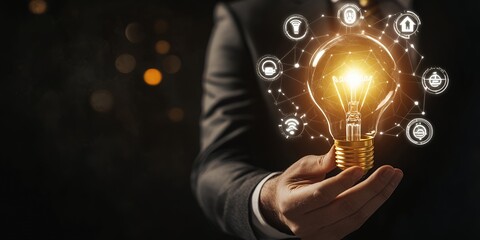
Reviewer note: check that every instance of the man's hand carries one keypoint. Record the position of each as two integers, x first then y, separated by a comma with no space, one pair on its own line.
303,201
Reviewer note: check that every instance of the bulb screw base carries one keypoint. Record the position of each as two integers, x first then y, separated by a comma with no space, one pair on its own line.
355,153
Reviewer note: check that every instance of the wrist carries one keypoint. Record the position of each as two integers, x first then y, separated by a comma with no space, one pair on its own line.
269,207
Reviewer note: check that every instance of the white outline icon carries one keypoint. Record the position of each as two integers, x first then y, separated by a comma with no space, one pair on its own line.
349,14
292,126
419,131
435,80
269,68
295,27
407,24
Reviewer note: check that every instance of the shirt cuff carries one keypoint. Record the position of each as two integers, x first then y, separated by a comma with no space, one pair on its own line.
263,229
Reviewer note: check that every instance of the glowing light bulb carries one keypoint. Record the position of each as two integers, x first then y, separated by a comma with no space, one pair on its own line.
296,25
352,80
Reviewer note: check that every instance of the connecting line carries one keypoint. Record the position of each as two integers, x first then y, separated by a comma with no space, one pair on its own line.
386,132
284,56
381,20
289,99
296,80
315,20
403,107
314,115
316,38
280,94
316,135
420,61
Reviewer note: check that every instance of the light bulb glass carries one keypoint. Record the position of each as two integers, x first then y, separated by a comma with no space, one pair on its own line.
352,80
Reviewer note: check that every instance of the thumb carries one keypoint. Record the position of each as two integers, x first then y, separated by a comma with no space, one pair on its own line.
327,162
315,164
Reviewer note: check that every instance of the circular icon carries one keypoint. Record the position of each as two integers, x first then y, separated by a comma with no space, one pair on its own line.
419,131
407,24
435,80
269,67
295,27
292,126
349,14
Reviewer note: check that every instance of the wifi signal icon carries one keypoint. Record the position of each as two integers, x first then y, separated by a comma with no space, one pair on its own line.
292,126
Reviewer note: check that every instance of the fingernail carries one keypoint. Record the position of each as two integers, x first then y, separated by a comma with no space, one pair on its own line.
398,176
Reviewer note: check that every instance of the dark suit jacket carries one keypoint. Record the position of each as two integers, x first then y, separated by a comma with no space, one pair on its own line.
241,143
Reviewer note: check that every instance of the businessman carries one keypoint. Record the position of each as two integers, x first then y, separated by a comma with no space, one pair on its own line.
250,181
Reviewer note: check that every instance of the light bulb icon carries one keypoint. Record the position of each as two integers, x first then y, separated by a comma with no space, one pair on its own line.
296,25
352,80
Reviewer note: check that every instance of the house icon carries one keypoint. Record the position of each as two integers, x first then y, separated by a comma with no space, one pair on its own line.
407,25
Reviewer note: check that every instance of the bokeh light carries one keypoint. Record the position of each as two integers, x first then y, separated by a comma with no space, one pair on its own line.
134,32
162,47
37,6
175,114
364,3
172,64
101,100
160,26
125,63
152,76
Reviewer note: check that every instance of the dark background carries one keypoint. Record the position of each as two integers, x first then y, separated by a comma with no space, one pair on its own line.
91,152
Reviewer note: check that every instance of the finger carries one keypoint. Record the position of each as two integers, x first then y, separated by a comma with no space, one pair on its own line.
373,185
353,222
352,199
316,166
322,193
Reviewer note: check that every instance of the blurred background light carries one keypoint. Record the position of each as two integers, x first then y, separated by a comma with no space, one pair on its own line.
101,100
97,129
172,64
125,63
162,47
37,6
134,32
152,76
175,114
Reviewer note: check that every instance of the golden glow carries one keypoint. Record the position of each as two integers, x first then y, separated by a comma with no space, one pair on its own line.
162,47
352,86
152,77
38,6
363,3
353,78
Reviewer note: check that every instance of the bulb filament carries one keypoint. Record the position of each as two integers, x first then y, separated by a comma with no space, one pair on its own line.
353,85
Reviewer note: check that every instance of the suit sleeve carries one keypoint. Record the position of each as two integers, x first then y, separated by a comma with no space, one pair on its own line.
223,175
